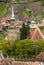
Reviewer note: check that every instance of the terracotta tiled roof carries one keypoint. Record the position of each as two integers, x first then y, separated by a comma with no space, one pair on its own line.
37,34
25,63
40,57
31,33
11,61
5,19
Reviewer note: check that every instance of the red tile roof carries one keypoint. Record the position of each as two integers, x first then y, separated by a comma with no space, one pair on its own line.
25,63
40,57
31,33
11,61
37,34
4,20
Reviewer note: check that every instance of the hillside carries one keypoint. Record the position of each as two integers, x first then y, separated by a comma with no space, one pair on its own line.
3,8
19,7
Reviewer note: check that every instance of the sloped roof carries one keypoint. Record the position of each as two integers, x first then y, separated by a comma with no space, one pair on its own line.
31,33
5,19
37,34
40,57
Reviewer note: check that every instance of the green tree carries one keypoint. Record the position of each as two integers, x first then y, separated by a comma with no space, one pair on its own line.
40,46
24,48
24,31
27,12
6,47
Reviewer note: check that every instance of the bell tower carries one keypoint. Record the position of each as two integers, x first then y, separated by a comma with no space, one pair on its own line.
12,9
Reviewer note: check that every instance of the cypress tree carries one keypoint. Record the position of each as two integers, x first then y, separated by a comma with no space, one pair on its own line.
24,31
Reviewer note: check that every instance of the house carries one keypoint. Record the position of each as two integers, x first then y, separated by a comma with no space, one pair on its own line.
4,21
33,24
37,34
40,58
41,23
13,30
12,61
31,21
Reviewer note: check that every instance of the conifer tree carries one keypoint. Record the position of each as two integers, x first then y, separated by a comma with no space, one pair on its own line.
24,31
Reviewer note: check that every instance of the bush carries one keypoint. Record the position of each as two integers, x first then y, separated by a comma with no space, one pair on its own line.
22,48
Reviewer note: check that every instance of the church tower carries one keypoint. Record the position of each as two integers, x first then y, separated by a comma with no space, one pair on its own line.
12,9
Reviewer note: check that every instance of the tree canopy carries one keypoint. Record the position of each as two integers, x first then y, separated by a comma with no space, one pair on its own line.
22,48
24,31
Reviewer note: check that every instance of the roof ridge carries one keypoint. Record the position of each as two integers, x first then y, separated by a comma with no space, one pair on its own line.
37,28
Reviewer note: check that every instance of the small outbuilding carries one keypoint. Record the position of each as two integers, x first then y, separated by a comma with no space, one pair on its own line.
40,58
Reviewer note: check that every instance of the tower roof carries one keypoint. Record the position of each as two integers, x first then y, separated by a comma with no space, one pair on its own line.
13,16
